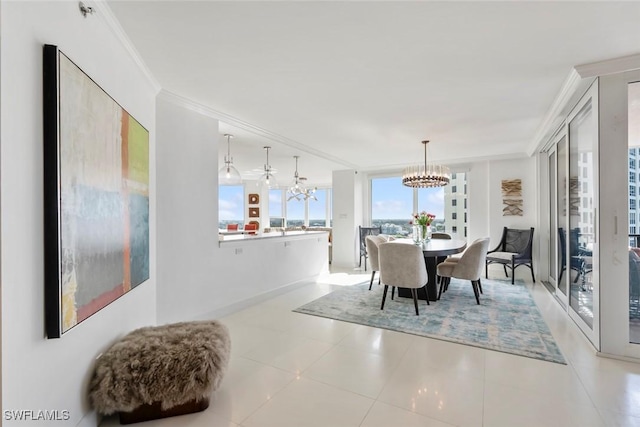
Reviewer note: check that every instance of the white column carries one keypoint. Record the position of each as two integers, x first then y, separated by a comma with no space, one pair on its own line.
347,216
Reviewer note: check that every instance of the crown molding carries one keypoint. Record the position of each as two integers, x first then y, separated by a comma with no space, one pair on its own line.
105,13
550,122
609,66
256,130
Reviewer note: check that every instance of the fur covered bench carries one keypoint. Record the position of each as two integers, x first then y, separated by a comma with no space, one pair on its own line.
161,371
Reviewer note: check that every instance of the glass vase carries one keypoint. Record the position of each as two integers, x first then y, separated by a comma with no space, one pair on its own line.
421,234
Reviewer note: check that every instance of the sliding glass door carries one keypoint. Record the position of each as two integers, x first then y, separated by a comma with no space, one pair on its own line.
581,237
563,218
633,143
572,170
558,217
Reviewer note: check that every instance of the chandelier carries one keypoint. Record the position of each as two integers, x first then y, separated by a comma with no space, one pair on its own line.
267,177
298,190
426,176
228,174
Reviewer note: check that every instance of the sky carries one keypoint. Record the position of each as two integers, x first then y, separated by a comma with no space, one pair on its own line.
389,200
392,200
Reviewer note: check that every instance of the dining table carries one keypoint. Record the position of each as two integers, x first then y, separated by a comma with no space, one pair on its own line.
431,250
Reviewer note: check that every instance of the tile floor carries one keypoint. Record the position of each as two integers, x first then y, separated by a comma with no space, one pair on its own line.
290,369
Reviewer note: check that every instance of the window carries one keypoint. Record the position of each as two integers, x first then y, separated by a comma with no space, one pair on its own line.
465,231
632,204
632,190
632,218
465,203
432,201
465,217
632,230
632,163
230,205
318,209
632,177
454,229
391,205
295,213
454,189
276,214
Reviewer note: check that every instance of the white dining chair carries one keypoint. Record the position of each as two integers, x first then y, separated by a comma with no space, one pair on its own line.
468,267
372,243
402,266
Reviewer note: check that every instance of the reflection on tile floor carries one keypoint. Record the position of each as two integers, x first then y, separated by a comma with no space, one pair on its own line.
290,369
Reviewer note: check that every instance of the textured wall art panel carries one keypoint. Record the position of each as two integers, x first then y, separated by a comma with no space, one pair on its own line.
512,197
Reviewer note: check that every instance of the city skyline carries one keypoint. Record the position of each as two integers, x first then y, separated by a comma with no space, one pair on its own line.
391,201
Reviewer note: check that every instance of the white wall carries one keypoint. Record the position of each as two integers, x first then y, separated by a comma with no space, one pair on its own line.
197,277
187,210
497,170
347,216
478,201
39,373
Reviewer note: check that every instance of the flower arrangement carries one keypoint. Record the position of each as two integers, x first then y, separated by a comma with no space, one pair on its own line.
423,218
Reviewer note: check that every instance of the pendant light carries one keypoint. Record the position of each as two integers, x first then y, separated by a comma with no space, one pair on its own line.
427,175
267,177
298,190
228,174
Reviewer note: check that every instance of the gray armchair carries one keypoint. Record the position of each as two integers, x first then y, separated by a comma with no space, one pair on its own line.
514,250
403,266
468,267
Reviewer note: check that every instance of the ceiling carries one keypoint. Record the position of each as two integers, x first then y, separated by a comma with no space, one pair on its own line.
358,84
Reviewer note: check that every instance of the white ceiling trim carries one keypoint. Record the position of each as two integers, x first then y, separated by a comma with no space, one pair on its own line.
234,121
609,66
550,122
105,13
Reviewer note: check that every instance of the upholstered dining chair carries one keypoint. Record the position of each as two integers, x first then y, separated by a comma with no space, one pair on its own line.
363,233
372,243
232,227
514,250
443,236
440,236
402,266
469,267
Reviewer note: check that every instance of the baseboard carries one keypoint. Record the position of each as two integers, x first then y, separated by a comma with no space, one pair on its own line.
616,357
256,299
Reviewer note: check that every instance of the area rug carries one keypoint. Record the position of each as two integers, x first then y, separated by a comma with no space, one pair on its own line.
506,320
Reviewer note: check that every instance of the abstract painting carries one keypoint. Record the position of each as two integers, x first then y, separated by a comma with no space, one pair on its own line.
96,194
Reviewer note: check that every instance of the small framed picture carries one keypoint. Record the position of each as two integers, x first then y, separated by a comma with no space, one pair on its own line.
254,212
254,199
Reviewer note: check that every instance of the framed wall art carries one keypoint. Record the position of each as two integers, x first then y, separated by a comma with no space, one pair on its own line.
254,212
254,199
96,196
